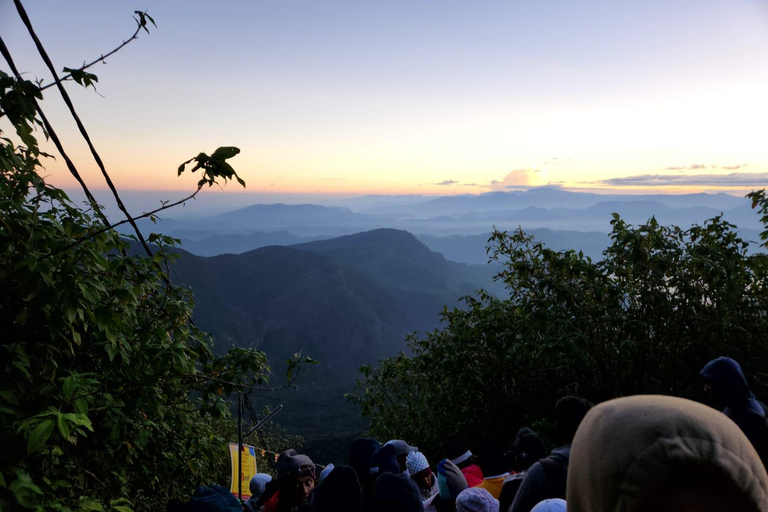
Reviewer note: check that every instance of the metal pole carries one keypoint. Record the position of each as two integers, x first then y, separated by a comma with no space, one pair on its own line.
266,418
240,446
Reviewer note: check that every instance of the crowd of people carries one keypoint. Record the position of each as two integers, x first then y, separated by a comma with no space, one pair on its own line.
638,453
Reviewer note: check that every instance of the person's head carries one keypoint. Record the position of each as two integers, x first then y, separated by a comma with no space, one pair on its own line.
725,383
383,460
214,498
339,491
296,477
490,457
550,505
418,468
457,451
527,449
397,492
360,453
402,449
258,485
664,454
476,499
450,480
569,411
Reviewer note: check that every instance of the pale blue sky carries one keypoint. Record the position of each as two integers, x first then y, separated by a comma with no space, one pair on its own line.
395,96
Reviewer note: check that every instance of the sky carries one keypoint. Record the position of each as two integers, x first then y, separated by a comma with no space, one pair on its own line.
331,97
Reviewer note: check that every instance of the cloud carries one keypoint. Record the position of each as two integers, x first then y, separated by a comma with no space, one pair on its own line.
733,167
734,179
698,167
692,167
446,183
519,178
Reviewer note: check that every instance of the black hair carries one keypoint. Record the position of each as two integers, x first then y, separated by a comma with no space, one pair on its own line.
569,411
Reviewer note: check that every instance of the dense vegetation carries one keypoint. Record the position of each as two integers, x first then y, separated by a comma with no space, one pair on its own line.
644,319
112,399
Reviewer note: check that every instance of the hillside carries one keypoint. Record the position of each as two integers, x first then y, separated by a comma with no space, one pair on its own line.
345,302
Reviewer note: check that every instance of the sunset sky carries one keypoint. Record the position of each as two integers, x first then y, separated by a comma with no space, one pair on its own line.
418,96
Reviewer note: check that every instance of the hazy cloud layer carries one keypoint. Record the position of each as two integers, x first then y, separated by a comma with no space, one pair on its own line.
698,167
446,182
734,179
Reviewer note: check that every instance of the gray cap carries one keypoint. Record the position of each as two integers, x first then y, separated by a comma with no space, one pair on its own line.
291,462
401,447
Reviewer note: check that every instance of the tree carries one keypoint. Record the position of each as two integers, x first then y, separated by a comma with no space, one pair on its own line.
644,319
112,399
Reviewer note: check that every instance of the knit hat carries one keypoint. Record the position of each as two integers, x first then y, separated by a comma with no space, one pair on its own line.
397,492
258,484
289,462
457,449
476,499
551,505
416,462
401,447
339,491
450,480
384,460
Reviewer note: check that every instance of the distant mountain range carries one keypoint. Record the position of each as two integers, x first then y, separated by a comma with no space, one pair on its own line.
552,209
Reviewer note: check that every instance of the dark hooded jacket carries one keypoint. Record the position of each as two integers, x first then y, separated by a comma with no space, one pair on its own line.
726,378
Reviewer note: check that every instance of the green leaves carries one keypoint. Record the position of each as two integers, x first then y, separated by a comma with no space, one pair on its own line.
82,77
644,319
214,167
39,435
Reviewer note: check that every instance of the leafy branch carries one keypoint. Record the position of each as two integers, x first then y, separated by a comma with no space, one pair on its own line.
85,79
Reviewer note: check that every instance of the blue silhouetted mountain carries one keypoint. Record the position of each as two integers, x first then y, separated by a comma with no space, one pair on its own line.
345,302
236,244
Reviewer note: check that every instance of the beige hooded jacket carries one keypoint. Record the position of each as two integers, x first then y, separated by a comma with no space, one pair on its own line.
660,453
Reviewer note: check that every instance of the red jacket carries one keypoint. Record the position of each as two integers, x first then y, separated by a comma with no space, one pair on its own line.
473,474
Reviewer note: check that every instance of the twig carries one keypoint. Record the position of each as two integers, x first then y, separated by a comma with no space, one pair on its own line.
44,54
103,57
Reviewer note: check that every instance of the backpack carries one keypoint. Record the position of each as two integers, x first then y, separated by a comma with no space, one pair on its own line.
556,477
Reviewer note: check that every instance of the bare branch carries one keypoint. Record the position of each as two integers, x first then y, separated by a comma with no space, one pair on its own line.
102,58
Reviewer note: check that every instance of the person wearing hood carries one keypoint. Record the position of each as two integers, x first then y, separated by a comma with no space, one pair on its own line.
339,491
527,449
726,385
457,451
360,452
296,478
450,483
257,486
663,453
397,493
421,473
546,478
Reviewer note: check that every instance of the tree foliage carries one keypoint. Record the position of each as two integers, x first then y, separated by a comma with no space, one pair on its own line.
644,319
112,399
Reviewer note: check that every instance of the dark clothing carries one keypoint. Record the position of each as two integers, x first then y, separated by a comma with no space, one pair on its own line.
726,378
509,490
545,479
